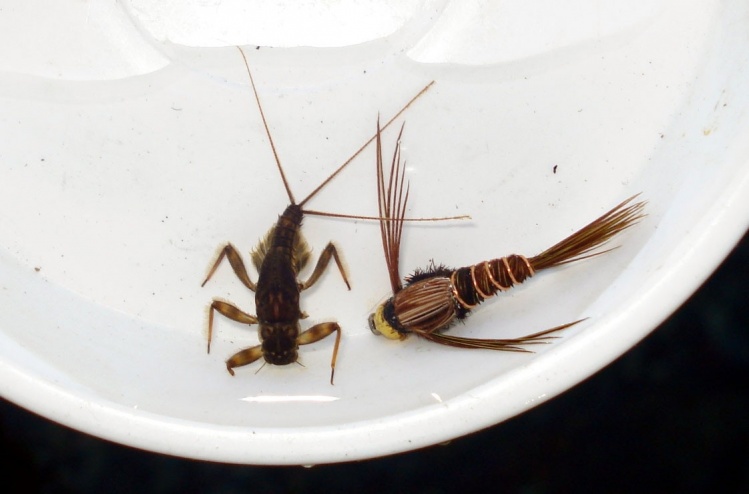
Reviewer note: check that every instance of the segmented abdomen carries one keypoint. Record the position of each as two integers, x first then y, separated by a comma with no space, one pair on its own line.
287,228
476,283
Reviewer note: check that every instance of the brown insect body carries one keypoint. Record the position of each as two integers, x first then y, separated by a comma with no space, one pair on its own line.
435,298
277,294
279,257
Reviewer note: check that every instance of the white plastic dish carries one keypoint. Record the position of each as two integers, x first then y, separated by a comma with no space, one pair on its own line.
133,149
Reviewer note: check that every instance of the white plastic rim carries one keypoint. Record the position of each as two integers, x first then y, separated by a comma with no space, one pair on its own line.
134,149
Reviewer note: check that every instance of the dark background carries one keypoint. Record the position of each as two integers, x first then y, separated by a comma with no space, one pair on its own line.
671,414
